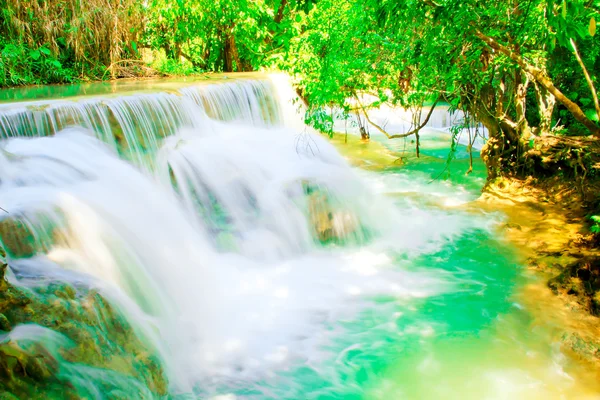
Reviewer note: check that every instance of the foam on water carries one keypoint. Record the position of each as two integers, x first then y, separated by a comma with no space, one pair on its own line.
258,263
222,315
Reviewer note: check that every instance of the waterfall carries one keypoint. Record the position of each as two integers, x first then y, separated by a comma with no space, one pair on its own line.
135,123
210,224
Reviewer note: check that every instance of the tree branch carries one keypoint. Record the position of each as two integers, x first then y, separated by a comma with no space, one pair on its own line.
279,15
401,135
587,78
543,80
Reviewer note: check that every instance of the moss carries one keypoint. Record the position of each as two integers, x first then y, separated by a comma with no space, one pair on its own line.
100,337
17,238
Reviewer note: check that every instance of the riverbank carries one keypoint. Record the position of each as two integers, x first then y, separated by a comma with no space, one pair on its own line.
547,222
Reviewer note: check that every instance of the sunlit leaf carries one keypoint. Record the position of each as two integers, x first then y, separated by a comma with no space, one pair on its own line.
35,55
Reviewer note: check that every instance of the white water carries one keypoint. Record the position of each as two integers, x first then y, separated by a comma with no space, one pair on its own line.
208,239
397,121
219,313
232,302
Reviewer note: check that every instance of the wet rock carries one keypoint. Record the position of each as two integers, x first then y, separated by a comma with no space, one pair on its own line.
586,349
510,225
330,224
118,395
16,238
96,335
64,291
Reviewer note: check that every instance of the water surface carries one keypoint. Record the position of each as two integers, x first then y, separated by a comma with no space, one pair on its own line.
260,264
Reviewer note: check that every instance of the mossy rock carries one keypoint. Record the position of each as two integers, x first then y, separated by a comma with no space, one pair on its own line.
99,338
17,239
330,223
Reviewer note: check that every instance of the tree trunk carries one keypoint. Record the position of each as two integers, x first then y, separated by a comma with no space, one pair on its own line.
546,103
417,144
504,149
588,79
228,56
541,78
231,53
520,105
280,10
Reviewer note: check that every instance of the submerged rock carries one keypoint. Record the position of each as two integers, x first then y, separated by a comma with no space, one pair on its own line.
61,341
330,224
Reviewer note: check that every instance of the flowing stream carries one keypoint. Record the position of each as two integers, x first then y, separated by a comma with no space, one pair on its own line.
255,261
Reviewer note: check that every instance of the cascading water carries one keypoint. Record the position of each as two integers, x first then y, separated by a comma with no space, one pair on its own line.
247,258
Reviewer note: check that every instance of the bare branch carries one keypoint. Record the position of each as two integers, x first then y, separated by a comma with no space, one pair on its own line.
401,135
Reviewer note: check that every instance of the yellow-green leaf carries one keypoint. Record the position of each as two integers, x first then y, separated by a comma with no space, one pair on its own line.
564,9
592,27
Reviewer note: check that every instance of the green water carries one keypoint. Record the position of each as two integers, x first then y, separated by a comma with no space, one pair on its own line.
476,340
112,87
476,337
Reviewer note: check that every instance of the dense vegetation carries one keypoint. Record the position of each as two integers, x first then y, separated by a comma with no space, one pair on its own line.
61,41
522,68
526,70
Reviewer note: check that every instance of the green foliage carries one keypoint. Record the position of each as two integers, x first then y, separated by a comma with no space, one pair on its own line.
595,228
170,67
522,69
509,64
402,50
224,35
66,40
21,65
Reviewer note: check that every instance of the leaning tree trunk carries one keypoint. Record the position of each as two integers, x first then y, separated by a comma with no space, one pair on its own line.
505,149
543,80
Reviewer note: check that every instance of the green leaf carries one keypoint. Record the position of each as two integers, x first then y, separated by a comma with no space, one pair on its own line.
564,9
45,50
592,114
35,54
298,18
